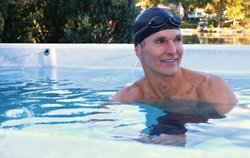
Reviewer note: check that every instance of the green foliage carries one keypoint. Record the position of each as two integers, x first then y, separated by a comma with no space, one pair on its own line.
1,25
93,23
234,9
189,23
16,25
151,3
209,9
4,4
246,5
211,24
48,18
52,21
31,20
246,21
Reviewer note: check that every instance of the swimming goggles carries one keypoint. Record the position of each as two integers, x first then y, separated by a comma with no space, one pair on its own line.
173,22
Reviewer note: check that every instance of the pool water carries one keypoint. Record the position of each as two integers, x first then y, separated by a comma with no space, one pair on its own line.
75,102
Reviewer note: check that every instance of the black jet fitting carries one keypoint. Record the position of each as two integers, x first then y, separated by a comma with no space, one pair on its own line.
46,52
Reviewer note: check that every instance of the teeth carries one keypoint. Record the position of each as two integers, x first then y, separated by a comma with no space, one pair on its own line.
169,60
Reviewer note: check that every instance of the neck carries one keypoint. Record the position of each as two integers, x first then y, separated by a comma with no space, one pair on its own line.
164,87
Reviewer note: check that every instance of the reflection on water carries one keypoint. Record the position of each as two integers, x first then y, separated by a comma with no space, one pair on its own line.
76,104
217,38
171,127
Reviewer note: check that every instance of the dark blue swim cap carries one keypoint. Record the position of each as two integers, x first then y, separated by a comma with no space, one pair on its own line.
154,20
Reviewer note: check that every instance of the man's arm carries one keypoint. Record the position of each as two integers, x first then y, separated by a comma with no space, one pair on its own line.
128,94
219,92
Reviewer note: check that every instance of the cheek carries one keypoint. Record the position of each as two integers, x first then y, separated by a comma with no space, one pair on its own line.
149,57
180,49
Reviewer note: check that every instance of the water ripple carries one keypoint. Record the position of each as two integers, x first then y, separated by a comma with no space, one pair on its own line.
76,103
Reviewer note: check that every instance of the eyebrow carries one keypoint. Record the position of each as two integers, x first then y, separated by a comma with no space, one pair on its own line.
179,35
167,37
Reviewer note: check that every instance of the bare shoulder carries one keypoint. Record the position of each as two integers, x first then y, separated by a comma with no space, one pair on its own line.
217,90
131,93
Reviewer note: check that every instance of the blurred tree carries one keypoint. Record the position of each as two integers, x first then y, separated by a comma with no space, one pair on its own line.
187,4
209,9
52,21
235,10
220,7
151,3
3,14
91,22
48,18
246,5
16,25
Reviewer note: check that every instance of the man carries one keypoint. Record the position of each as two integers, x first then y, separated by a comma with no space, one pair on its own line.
158,45
184,94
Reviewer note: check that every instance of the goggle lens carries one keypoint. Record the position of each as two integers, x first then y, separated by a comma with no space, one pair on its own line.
157,22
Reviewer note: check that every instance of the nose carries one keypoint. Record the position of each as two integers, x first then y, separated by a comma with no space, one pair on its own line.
171,47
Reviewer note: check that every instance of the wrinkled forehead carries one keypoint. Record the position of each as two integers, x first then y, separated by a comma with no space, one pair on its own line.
168,34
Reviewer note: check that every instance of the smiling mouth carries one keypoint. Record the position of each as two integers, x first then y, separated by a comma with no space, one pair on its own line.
169,60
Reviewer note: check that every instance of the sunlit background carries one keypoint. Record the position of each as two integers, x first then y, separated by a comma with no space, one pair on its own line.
111,21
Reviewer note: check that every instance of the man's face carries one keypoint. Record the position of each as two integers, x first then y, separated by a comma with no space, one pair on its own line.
161,53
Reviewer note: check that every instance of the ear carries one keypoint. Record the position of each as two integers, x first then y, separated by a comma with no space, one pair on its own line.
138,51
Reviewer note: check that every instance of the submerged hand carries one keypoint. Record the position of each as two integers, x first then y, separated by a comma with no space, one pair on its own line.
175,140
165,139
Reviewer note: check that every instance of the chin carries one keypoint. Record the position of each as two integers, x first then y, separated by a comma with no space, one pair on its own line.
168,74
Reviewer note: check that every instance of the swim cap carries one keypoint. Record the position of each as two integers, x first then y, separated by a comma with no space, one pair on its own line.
154,20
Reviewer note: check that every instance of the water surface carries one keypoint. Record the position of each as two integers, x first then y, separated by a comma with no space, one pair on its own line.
75,102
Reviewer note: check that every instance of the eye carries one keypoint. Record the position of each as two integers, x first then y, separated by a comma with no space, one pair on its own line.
160,40
178,39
